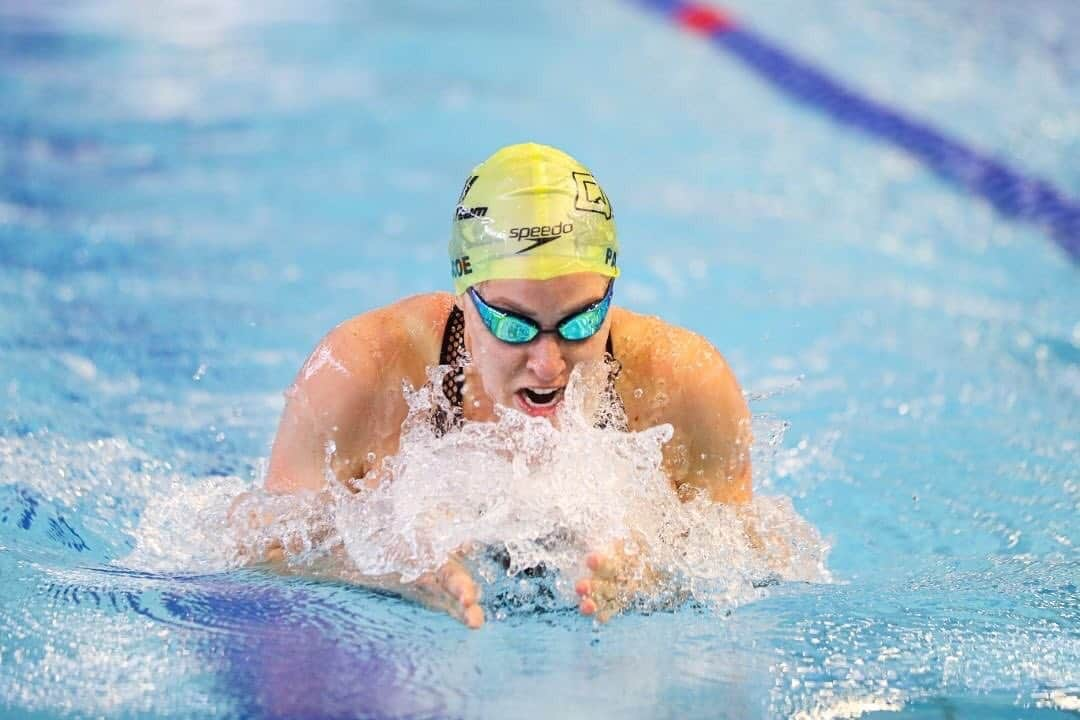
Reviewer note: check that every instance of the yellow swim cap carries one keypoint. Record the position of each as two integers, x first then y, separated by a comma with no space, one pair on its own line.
531,212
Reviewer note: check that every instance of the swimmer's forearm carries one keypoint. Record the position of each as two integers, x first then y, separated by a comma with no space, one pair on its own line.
334,566
449,589
253,516
772,542
268,527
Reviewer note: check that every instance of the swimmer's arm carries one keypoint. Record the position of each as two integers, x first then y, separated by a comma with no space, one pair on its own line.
272,541
327,395
712,427
712,423
328,408
450,589
720,460
333,395
715,421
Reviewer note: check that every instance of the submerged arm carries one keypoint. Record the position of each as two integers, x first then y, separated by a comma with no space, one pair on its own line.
449,589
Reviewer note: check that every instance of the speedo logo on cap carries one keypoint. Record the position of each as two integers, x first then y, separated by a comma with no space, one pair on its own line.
540,234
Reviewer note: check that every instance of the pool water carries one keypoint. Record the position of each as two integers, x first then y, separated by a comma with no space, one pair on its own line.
192,193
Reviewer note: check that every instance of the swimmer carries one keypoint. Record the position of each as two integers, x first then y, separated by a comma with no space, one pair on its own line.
534,261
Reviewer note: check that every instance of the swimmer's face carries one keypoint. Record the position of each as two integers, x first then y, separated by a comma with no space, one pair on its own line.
531,377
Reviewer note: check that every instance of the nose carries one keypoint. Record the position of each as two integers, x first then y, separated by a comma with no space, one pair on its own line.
546,360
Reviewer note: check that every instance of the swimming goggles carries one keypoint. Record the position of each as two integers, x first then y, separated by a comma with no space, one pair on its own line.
517,329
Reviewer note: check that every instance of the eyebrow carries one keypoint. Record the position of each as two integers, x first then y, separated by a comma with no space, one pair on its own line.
514,307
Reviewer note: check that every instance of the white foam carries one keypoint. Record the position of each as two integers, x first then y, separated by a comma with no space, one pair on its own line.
186,529
1058,699
547,493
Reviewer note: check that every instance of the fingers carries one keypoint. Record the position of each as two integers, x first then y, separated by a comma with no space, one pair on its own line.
452,590
595,592
473,617
600,600
610,586
603,566
462,588
455,579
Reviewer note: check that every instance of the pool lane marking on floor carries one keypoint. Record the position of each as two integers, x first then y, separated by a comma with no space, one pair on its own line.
1010,192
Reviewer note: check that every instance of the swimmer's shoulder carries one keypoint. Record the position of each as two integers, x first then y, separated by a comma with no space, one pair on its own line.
666,361
348,394
651,345
389,343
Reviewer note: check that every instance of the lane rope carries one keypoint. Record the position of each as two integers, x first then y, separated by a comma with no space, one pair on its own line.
1012,193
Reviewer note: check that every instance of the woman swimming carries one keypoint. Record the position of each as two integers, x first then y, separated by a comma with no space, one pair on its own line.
533,257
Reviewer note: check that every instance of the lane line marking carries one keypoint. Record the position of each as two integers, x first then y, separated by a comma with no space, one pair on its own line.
1011,192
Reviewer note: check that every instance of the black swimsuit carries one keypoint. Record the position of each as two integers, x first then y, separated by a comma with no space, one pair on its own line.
453,354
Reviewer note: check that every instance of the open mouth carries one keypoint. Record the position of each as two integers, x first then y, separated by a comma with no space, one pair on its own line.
539,401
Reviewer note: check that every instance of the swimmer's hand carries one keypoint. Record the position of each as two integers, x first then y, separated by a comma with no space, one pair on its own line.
616,578
449,589
248,519
265,533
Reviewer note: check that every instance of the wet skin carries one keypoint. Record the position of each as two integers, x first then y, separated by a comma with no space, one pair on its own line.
348,393
501,372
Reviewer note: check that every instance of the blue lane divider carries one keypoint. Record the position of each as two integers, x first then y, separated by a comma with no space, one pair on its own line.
1011,193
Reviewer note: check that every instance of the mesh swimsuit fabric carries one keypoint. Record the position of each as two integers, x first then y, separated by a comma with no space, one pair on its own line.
452,354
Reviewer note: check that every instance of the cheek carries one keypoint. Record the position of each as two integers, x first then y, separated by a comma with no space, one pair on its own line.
496,364
592,350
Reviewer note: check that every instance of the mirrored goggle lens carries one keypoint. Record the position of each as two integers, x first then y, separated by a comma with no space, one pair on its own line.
510,329
585,324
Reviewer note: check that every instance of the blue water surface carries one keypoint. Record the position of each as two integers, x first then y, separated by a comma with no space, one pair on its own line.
192,193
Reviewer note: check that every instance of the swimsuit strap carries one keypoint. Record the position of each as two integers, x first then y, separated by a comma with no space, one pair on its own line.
453,383
611,395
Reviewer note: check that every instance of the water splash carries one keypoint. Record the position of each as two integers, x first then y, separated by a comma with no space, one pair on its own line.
518,497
